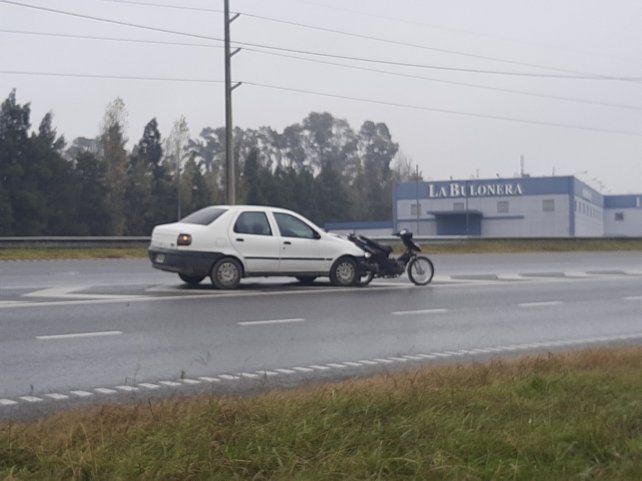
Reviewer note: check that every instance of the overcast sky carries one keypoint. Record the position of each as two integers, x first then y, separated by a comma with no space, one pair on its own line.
589,36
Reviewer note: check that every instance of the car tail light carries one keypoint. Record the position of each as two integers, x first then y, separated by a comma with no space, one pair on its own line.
184,240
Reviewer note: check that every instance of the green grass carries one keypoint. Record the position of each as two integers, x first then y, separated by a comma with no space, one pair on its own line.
479,246
557,417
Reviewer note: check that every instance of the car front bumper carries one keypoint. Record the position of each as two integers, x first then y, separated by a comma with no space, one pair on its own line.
189,263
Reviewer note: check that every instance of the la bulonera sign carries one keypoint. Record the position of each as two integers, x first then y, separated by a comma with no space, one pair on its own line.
457,189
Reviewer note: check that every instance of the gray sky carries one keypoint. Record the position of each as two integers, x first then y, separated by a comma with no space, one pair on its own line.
591,36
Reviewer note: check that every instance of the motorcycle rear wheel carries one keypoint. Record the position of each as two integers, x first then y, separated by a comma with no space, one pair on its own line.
421,270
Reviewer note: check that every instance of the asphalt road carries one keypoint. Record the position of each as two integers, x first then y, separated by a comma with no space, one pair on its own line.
90,331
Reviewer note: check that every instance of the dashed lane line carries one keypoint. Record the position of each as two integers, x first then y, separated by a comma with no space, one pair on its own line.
78,335
541,304
419,312
633,298
271,321
414,357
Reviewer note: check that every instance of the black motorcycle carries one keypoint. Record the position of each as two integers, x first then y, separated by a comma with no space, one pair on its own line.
379,263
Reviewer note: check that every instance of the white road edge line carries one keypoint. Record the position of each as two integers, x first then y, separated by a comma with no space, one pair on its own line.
633,298
273,321
78,335
540,304
419,311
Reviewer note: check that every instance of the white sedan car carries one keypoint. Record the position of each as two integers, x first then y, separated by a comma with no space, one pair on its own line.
229,243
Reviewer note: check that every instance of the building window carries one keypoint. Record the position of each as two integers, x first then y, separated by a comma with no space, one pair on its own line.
619,216
548,205
414,210
459,206
502,207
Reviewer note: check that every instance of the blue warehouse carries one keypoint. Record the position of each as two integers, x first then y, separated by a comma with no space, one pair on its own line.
515,207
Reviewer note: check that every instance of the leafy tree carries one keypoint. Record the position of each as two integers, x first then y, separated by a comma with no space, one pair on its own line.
92,195
112,152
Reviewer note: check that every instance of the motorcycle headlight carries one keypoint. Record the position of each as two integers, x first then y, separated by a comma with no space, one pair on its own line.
367,255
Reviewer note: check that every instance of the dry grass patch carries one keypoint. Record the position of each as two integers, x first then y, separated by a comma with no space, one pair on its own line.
556,417
54,253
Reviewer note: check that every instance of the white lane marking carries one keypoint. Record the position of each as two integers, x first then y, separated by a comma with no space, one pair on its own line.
228,377
31,399
413,358
69,292
441,354
148,385
57,397
103,390
633,298
170,383
267,373
82,393
384,361
303,369
79,334
454,353
427,356
353,364
7,402
368,362
540,304
398,359
320,368
336,366
273,321
190,381
127,388
209,379
285,371
419,311
248,375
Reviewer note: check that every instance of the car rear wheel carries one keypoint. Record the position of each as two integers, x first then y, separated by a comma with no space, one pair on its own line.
191,280
344,272
226,273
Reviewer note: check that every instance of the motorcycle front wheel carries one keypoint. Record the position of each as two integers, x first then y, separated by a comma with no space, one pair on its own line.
421,270
365,279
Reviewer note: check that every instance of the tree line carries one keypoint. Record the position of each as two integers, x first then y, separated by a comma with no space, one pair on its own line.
320,167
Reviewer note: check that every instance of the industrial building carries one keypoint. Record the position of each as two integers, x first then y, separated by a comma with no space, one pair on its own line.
515,207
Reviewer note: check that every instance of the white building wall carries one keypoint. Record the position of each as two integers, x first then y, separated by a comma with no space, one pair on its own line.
630,226
589,219
535,222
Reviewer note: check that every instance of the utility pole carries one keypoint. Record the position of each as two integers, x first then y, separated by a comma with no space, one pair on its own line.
230,166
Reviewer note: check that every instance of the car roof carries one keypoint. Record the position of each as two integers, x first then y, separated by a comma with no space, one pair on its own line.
253,207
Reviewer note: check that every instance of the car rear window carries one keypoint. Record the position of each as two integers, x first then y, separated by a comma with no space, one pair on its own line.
204,216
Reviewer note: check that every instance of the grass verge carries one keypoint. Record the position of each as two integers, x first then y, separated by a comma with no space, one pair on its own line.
571,416
42,253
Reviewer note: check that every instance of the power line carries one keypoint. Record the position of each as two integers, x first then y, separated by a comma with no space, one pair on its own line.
336,96
465,31
361,36
109,39
109,77
445,111
341,65
321,54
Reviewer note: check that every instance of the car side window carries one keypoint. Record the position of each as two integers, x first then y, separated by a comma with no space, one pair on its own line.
255,223
290,226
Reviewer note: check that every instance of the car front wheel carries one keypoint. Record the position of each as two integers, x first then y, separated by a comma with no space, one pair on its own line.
344,272
226,273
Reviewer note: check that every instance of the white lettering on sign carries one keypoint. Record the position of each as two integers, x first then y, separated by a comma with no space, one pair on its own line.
455,189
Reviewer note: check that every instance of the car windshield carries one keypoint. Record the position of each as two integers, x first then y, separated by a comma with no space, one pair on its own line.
204,216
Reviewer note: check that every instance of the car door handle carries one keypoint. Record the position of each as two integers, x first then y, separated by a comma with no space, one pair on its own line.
287,243
240,240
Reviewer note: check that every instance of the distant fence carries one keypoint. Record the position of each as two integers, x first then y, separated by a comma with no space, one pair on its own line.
143,241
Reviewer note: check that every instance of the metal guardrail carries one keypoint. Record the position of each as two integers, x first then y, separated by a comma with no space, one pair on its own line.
74,241
143,241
